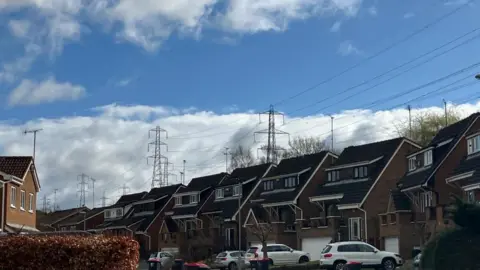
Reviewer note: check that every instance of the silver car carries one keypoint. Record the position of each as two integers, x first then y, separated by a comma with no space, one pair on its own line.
166,259
231,260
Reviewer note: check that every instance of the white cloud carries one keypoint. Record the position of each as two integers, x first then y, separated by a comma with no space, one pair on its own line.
47,91
336,26
347,48
373,10
113,148
19,28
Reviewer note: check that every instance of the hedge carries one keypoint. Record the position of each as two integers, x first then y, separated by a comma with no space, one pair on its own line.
73,252
313,265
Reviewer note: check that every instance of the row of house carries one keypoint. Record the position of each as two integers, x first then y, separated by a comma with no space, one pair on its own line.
391,194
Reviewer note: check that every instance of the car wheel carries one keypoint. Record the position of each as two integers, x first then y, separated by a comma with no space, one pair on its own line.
389,264
270,261
232,266
303,259
339,265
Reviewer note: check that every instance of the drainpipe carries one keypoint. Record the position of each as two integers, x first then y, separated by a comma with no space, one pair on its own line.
4,199
366,224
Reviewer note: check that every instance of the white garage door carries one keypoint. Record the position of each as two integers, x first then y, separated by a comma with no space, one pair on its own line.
314,246
391,244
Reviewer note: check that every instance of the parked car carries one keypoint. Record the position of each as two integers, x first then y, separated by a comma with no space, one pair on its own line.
336,255
165,259
416,260
278,254
230,260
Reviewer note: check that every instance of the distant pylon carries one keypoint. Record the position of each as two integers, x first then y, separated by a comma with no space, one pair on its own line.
82,186
271,148
158,177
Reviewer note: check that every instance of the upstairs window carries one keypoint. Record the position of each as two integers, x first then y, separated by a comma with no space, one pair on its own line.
412,163
333,176
194,199
291,182
473,145
107,214
360,172
119,212
268,185
237,190
13,196
30,202
427,158
22,199
178,200
219,193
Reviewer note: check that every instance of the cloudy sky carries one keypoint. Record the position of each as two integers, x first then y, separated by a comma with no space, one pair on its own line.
97,75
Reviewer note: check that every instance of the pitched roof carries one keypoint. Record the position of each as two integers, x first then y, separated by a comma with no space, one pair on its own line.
240,175
291,166
454,132
355,190
228,207
56,216
15,165
468,164
400,201
204,182
77,218
129,198
159,192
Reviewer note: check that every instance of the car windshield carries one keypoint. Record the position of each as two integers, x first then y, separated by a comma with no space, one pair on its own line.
153,255
222,254
252,250
326,249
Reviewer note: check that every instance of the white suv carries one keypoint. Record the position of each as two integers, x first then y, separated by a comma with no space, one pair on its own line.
336,255
278,254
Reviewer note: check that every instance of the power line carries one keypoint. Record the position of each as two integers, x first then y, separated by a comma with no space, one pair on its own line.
93,191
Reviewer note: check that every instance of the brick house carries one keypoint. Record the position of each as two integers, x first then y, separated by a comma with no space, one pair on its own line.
184,230
346,206
19,188
281,197
145,217
228,207
417,213
48,222
82,220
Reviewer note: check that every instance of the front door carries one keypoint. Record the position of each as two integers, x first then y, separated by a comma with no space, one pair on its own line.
230,238
354,228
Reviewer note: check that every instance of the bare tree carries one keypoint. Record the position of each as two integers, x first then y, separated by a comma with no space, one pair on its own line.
241,157
300,146
261,231
425,126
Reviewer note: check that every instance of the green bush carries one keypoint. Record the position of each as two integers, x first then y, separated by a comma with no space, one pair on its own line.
51,252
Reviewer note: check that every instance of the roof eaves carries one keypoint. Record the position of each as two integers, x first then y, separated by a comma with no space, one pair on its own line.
311,177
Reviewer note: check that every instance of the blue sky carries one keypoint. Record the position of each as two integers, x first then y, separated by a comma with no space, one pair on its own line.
225,69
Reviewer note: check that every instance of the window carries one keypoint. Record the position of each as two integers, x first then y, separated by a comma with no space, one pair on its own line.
349,248
326,249
194,198
63,228
22,199
237,190
473,145
268,185
178,200
360,172
333,176
412,164
219,193
427,158
73,228
291,182
229,237
30,202
13,197
119,212
107,214
471,196
424,200
355,173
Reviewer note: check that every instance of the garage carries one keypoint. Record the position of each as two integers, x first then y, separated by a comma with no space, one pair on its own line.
391,244
314,246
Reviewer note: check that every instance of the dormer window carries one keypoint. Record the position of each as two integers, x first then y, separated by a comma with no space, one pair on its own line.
219,193
291,182
268,185
237,190
427,158
107,214
194,199
360,172
412,164
178,200
333,176
473,145
119,212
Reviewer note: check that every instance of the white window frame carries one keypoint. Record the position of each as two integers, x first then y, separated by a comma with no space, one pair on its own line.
229,241
425,200
412,164
471,198
121,212
195,200
63,229
30,202
473,145
237,190
23,197
13,196
219,193
178,200
329,176
108,214
427,158
268,185
355,173
73,228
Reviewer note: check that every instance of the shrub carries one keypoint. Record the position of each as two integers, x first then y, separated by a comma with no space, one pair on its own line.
68,252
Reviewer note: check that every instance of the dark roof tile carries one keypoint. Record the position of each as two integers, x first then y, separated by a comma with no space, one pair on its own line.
297,164
15,165
204,182
159,192
368,152
400,200
129,198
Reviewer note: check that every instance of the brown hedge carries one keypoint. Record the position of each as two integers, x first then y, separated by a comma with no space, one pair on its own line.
68,252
